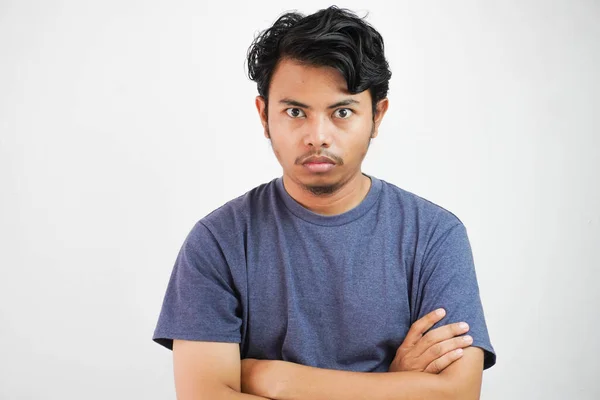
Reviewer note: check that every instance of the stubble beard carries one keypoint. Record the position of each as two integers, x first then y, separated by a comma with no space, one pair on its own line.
322,190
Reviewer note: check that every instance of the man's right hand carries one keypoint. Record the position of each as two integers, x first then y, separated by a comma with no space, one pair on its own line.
433,351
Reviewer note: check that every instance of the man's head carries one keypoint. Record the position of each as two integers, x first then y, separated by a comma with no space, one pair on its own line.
322,82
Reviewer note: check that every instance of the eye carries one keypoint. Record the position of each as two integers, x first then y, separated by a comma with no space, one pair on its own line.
343,113
295,112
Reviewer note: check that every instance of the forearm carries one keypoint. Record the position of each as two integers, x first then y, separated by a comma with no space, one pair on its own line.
219,393
231,394
282,380
299,382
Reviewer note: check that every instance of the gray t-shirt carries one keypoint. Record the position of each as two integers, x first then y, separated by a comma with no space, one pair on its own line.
336,292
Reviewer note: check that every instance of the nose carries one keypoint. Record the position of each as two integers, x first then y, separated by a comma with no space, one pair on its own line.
319,132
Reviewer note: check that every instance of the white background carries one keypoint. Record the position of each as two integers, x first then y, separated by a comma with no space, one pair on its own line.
124,122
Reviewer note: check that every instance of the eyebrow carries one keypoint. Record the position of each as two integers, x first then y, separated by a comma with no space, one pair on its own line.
295,103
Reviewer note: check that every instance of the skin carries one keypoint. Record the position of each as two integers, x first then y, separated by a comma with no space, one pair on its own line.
300,122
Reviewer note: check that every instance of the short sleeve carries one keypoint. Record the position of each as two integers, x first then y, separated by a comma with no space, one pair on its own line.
200,302
448,280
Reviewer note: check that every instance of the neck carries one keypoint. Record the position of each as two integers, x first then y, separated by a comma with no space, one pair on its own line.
350,194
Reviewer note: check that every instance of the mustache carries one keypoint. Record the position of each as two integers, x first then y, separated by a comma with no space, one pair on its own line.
338,160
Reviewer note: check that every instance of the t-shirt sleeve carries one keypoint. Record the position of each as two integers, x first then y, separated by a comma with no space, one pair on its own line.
200,302
448,280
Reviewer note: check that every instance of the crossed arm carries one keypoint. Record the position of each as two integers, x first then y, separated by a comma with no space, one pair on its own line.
287,381
426,366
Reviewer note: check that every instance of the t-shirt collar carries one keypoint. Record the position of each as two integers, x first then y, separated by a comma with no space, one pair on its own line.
330,220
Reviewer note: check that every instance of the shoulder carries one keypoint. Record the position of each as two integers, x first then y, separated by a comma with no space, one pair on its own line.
418,210
233,217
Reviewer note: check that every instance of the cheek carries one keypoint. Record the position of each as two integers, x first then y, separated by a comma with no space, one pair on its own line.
354,152
286,129
283,135
283,149
358,138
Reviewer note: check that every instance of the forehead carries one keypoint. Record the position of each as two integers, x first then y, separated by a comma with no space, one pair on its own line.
307,83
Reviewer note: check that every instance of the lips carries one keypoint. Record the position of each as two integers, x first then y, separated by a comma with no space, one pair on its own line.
318,160
318,165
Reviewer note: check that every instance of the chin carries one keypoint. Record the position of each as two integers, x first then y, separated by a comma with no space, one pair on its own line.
322,190
325,178
321,184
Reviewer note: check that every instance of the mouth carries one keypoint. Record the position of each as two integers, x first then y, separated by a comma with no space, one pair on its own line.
319,164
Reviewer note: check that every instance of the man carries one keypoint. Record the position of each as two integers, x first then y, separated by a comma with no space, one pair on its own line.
325,283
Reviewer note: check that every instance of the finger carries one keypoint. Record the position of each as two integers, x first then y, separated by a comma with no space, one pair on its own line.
440,364
440,334
420,326
438,350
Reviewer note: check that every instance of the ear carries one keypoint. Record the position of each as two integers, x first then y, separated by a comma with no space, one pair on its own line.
380,110
261,107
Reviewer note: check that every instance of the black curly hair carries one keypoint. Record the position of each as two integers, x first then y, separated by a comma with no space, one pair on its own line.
332,37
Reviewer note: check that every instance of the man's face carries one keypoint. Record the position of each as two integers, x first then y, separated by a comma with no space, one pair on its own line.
312,115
